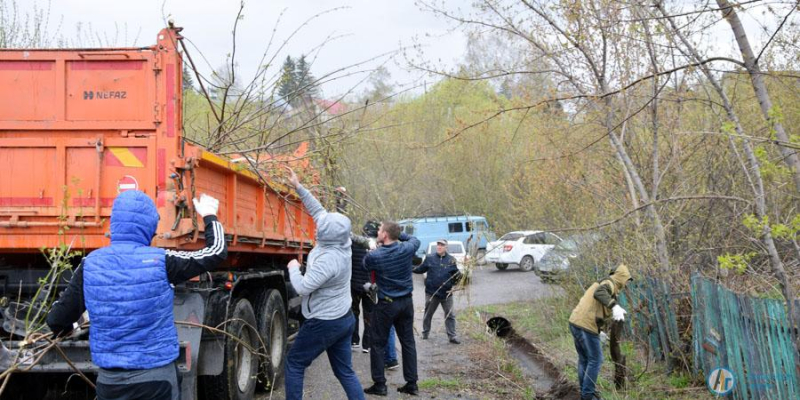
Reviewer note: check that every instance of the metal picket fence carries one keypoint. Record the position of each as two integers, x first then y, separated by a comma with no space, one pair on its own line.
750,337
654,323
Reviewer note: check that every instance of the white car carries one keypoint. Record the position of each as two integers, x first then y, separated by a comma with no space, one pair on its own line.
525,248
454,248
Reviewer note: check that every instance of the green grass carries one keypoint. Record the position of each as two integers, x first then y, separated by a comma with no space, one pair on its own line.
438,383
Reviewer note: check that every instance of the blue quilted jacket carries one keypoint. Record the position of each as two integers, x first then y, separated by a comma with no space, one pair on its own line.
127,292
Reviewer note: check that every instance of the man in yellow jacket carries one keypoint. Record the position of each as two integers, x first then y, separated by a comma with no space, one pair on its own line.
587,321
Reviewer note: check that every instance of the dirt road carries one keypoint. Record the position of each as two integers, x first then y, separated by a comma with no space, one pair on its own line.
489,286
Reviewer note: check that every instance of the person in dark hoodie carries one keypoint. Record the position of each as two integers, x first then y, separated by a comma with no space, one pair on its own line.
127,289
326,303
359,278
586,323
442,270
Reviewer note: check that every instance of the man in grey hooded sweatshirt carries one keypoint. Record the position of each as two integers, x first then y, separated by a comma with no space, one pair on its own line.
325,288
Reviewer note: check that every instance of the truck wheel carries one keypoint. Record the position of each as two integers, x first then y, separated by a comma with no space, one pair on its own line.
526,264
273,331
481,257
501,266
240,366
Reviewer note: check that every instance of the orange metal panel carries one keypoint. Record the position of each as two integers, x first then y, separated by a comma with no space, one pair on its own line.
28,90
78,126
109,90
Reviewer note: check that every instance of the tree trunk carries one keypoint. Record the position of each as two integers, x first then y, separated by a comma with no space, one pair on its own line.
757,78
753,174
658,228
616,355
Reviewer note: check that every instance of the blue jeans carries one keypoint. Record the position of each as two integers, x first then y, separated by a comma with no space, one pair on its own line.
391,352
314,337
590,357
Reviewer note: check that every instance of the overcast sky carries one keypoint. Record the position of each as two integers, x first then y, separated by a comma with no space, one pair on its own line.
364,29
361,30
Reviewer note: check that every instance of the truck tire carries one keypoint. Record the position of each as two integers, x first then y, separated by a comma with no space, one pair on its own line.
240,367
272,328
526,264
501,266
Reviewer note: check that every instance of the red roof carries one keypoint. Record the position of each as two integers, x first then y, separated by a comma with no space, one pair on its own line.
331,106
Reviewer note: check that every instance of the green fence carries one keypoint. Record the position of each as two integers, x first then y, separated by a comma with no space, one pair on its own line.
749,337
653,321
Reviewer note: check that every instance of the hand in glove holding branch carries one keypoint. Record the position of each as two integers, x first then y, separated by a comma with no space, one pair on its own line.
206,205
618,313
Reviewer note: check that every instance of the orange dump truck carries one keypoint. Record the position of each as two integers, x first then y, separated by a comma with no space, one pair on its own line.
79,126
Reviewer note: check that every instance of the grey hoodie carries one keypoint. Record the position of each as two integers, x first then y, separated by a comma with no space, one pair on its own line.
326,285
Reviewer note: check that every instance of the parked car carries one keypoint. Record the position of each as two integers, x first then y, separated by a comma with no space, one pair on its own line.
472,231
558,260
524,248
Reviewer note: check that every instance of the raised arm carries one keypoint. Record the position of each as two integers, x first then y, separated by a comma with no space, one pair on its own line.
185,265
408,242
311,203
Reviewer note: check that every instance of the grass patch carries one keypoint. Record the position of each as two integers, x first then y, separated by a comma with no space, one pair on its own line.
438,383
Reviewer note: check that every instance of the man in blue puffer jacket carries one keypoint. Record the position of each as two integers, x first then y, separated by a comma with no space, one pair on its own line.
443,274
127,288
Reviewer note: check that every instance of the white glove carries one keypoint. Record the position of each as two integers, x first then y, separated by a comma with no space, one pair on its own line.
603,338
373,244
207,205
618,313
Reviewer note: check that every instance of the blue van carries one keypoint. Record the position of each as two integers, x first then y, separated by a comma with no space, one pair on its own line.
472,230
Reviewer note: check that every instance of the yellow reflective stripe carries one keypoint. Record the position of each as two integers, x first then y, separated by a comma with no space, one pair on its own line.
126,157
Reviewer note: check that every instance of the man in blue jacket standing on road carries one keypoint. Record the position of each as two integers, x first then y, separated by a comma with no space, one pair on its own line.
392,265
443,273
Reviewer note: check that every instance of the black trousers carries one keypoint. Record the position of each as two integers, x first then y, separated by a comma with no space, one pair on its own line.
153,390
400,314
361,300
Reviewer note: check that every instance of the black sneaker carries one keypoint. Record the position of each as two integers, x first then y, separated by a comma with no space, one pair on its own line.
377,390
409,388
424,336
392,365
454,341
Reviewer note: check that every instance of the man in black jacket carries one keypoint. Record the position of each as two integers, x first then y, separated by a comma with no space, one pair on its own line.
443,273
358,279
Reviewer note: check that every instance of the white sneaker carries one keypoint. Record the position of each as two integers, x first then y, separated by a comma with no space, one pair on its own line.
365,351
